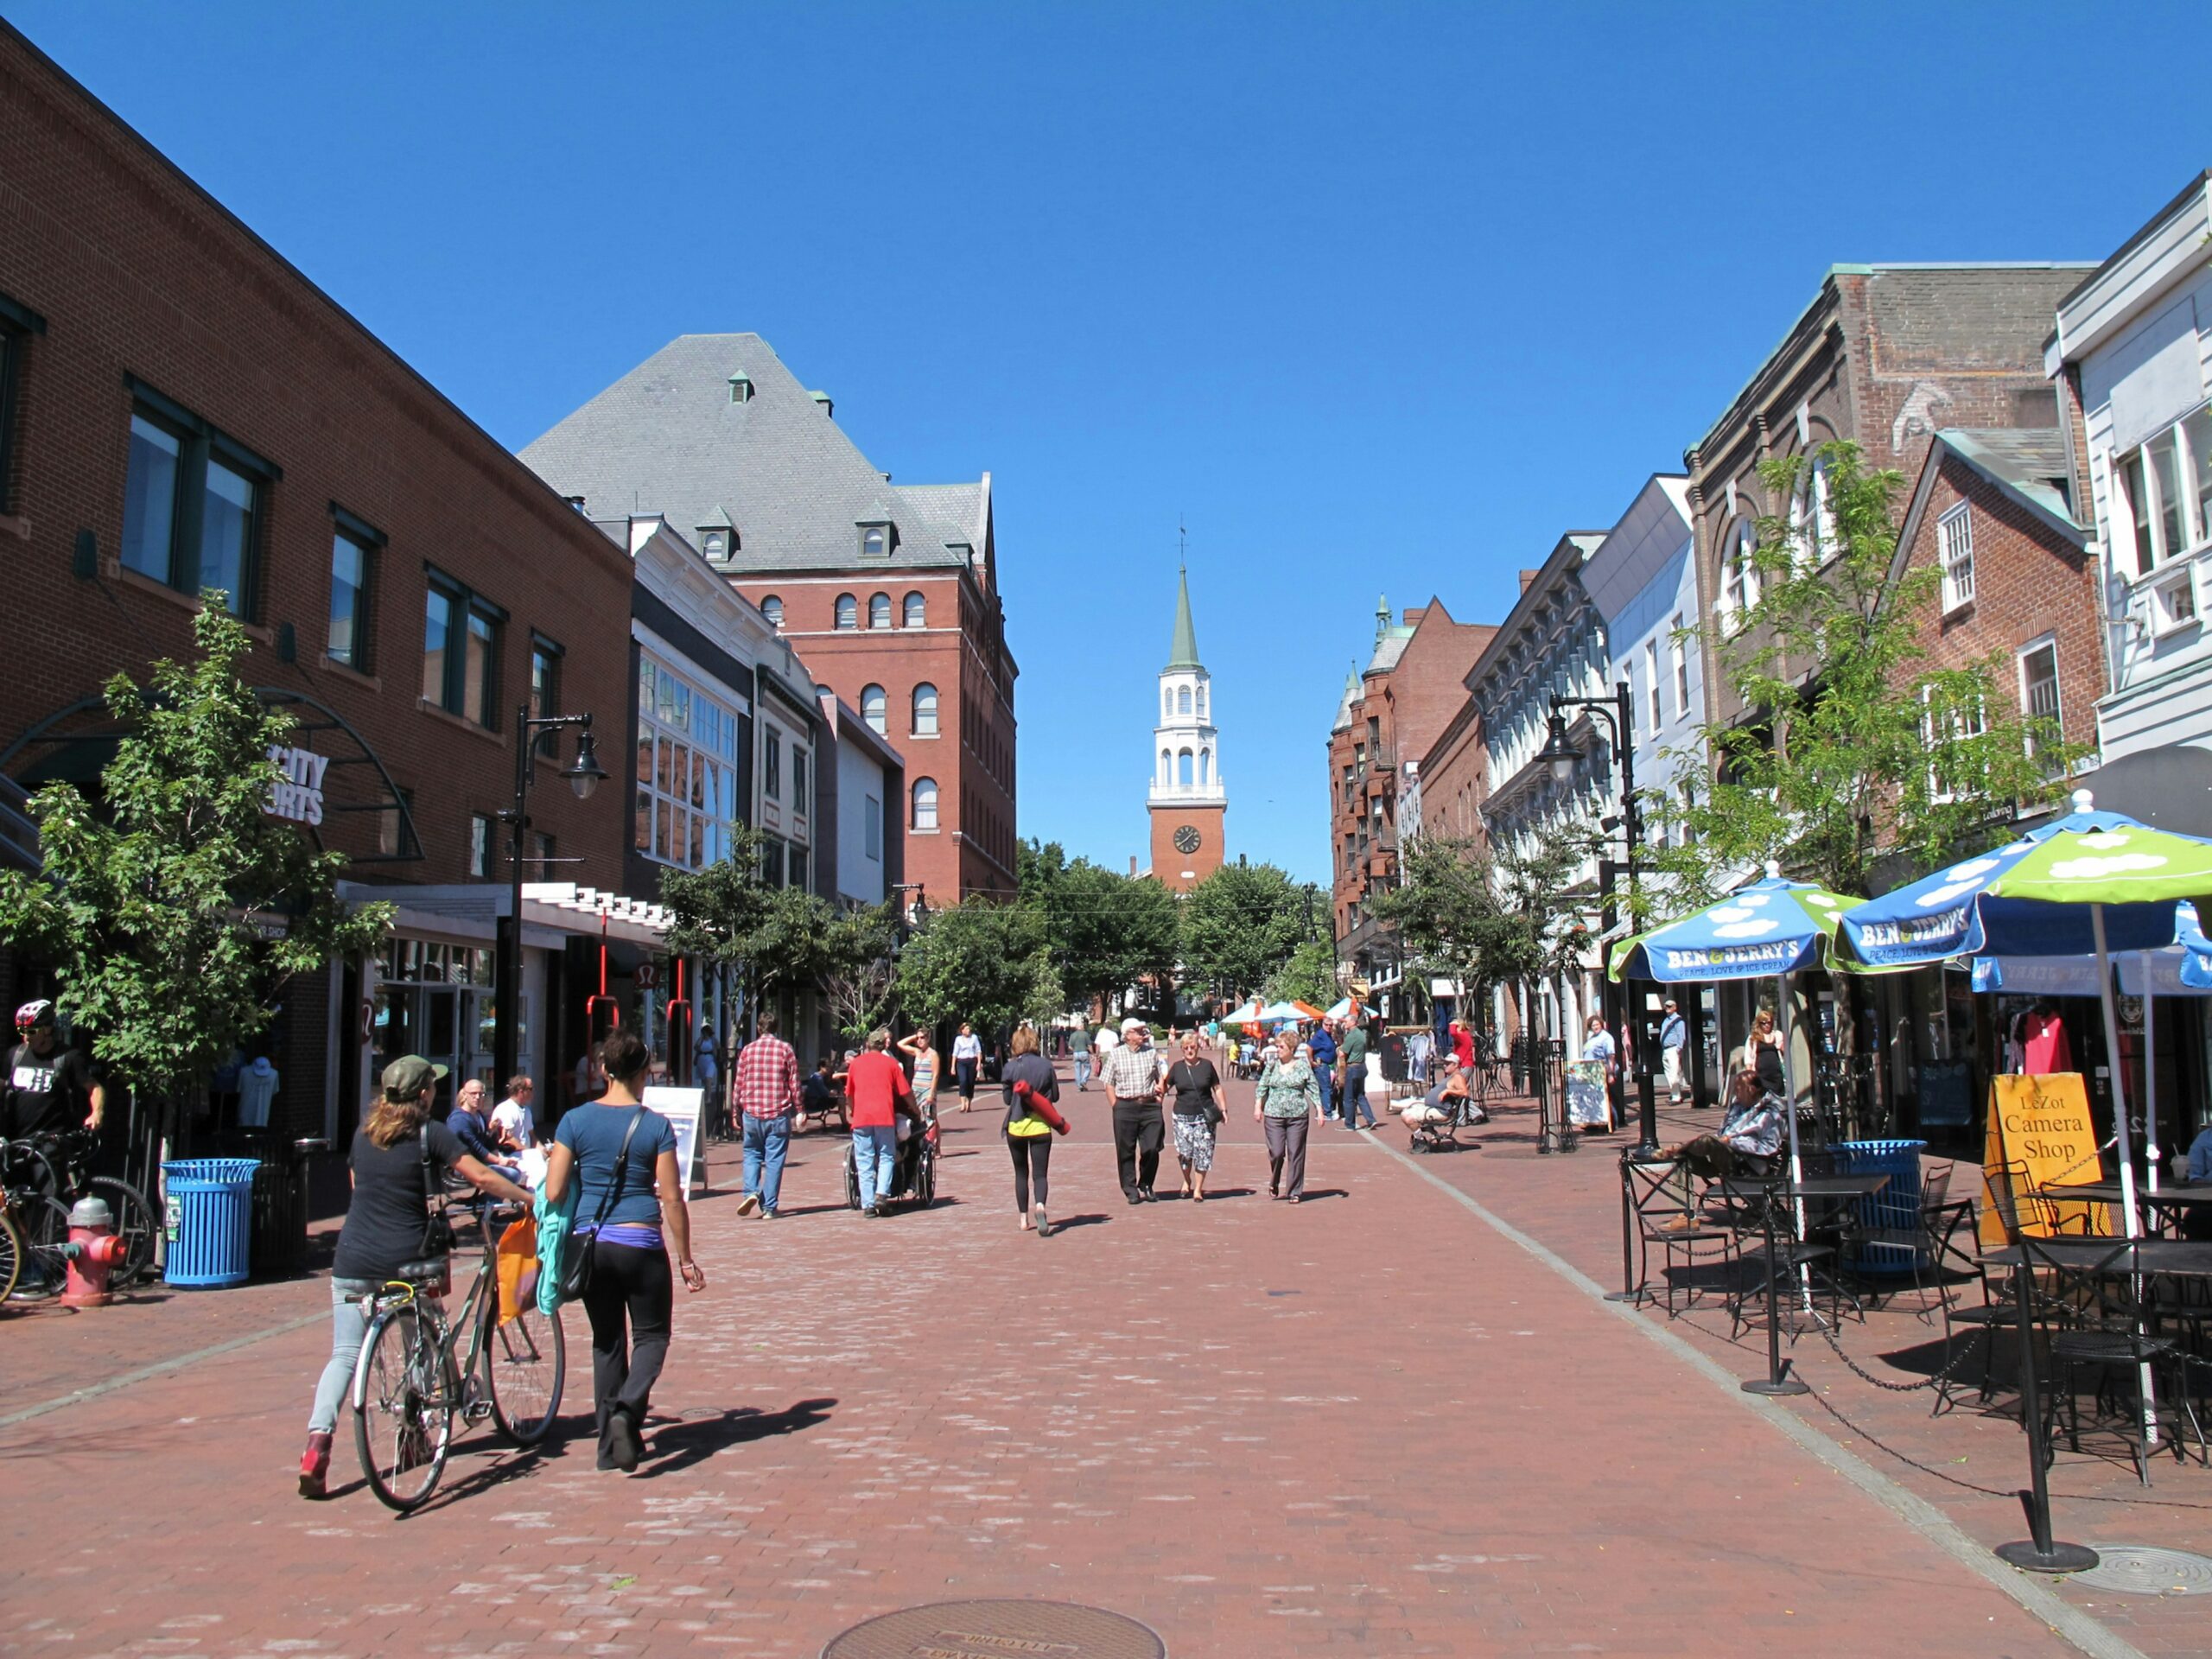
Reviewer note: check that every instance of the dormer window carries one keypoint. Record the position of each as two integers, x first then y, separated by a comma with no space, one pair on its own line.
741,388
875,538
718,539
966,551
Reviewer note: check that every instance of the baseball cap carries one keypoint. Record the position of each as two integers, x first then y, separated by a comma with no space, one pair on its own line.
1130,1025
408,1076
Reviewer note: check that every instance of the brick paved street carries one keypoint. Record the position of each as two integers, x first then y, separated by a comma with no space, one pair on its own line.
1371,1424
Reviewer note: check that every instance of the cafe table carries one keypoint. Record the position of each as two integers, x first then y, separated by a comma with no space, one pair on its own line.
2168,1199
1769,1193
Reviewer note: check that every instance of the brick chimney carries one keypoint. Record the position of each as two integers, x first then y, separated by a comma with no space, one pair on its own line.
1527,577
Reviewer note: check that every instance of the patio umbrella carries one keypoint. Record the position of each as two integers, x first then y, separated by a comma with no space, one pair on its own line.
1282,1013
1342,1009
1767,930
1247,1015
2090,883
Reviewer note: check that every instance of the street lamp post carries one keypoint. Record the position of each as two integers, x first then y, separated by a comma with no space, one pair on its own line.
1561,754
584,777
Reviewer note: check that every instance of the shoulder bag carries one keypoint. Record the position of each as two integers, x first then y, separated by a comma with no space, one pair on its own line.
437,1231
576,1264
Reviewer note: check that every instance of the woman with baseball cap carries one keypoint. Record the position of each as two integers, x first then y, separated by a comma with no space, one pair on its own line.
385,1224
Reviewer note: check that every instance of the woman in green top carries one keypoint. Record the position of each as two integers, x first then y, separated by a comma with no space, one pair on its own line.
1286,1099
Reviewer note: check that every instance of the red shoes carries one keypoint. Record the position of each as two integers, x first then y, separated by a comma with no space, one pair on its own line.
314,1464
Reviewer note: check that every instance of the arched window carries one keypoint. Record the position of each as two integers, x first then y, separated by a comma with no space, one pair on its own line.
925,802
1166,767
879,611
772,608
1740,577
873,543
917,611
1183,768
1205,766
1202,701
926,710
1167,703
848,611
872,707
1183,701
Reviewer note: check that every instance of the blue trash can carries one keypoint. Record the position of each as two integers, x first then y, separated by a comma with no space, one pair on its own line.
1892,1217
207,1220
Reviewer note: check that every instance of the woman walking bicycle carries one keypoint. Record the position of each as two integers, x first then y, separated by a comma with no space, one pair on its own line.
396,1156
630,1210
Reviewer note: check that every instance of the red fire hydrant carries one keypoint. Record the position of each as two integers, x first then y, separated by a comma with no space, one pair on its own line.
92,1251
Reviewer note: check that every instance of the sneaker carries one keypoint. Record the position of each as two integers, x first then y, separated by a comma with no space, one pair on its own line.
748,1203
314,1464
1037,1215
871,1211
767,1214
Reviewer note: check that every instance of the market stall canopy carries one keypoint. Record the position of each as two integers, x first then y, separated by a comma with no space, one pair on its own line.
1772,927
1247,1015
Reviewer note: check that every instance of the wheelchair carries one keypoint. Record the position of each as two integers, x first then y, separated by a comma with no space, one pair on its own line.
913,1181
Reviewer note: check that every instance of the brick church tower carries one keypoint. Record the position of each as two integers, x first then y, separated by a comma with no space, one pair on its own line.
1187,800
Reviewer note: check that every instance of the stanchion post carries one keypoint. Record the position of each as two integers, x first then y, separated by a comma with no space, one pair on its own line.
1777,1381
1630,1290
2037,1553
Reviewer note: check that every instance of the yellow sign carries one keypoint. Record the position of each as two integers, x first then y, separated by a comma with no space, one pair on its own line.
2039,1135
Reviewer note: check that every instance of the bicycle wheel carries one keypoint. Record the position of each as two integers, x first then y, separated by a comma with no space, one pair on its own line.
404,1426
11,1254
44,1225
526,1363
134,1225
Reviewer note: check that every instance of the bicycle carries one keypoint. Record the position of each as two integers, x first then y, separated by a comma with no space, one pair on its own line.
409,1380
36,1212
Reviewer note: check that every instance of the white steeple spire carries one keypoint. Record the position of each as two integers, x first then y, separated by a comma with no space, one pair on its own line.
1186,748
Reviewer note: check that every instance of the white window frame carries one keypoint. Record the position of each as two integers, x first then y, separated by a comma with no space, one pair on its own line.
2173,600
1740,576
1680,659
2037,646
680,721
1652,717
2193,510
914,807
1936,791
1954,553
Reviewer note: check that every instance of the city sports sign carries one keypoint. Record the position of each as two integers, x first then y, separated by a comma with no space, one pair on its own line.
2040,1134
297,793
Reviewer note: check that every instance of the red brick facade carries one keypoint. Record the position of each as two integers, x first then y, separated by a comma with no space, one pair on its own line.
959,650
2032,582
1413,688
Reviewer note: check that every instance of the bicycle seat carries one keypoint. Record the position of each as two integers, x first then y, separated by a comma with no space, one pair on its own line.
428,1270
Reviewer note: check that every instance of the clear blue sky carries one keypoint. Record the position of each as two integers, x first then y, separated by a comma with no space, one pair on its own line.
1376,297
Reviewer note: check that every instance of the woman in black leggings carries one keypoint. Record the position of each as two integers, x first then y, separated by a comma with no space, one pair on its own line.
1032,1088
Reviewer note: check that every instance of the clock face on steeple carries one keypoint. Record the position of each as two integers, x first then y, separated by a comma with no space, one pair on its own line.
1186,839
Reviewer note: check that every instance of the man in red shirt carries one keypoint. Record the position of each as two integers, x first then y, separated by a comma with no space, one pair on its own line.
877,1091
767,1100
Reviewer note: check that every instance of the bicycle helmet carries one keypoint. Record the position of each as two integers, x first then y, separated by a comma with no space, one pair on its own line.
34,1014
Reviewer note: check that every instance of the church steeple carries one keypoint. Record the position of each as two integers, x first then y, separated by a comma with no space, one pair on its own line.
1185,651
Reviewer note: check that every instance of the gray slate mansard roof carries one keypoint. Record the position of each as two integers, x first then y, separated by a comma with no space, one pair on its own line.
667,438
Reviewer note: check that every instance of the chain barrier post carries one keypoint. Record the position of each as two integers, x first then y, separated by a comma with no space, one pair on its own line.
2037,1553
1777,1383
1631,1290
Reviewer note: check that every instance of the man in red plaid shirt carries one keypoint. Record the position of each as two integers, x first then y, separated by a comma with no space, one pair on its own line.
768,1100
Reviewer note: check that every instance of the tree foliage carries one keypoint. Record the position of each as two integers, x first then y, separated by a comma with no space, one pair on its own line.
1309,974
173,916
981,961
1105,930
1857,750
1240,925
1484,919
863,971
783,939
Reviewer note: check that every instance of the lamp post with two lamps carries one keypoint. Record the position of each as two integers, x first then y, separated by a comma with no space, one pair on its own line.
583,777
1562,754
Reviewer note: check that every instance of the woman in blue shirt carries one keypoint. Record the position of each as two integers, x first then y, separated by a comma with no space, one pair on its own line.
627,1225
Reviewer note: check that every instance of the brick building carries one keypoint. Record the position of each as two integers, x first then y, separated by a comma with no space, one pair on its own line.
1885,356
889,592
1391,714
1992,511
180,408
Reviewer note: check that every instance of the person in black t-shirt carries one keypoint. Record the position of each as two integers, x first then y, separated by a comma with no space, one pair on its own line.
1196,1088
385,1224
49,1087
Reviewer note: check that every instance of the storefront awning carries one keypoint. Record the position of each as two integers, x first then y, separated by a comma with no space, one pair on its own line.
551,911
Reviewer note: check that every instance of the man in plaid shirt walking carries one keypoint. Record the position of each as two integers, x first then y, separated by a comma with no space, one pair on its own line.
767,1100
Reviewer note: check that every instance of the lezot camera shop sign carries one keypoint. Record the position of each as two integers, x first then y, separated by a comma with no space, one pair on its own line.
297,793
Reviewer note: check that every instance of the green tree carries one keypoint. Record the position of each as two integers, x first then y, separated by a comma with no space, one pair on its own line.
1857,752
1308,975
782,939
1106,931
863,971
173,916
1484,919
981,961
1240,925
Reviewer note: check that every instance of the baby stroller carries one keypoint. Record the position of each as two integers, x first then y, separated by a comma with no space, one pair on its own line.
914,1175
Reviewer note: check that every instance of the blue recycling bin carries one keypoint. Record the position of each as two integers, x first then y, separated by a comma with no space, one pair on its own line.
208,1221
1891,1216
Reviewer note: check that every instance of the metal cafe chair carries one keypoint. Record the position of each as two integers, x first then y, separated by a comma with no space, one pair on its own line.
1671,1218
2097,1323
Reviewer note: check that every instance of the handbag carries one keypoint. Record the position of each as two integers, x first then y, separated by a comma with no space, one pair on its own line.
437,1231
576,1264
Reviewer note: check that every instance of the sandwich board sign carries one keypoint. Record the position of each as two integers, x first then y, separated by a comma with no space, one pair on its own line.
2039,1135
681,1107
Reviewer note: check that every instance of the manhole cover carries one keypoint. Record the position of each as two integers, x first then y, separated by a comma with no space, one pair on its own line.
2146,1570
998,1630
